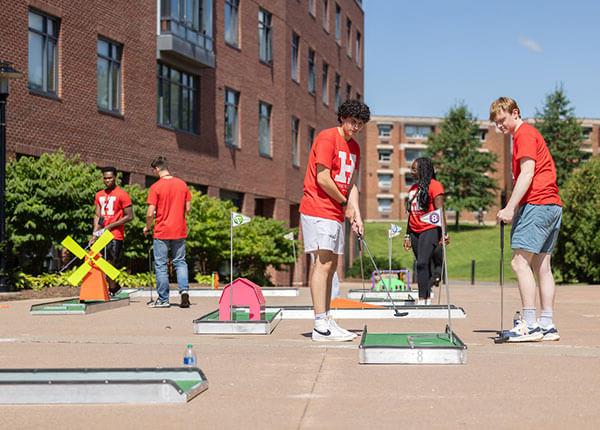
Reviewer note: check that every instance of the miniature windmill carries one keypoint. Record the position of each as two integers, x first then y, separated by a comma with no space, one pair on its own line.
93,287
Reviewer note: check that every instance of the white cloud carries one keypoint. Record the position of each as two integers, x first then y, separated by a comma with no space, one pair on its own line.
530,44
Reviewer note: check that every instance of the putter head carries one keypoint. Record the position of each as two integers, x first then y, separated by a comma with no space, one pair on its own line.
400,314
502,337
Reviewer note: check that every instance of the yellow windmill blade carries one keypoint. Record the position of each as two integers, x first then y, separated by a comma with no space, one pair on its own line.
107,268
78,275
74,247
102,241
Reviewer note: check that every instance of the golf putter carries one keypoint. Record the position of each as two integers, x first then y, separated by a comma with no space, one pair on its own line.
397,313
362,267
501,338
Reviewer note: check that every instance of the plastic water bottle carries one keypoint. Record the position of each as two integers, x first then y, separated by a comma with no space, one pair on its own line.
516,318
189,359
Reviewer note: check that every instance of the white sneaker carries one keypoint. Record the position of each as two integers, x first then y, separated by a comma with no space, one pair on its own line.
341,330
323,332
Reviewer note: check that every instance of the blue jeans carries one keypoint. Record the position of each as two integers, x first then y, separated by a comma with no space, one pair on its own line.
161,254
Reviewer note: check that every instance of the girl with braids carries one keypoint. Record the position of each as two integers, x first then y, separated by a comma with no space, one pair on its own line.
426,195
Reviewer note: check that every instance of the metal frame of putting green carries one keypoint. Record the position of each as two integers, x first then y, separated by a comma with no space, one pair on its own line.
69,307
207,325
102,385
365,295
211,292
412,353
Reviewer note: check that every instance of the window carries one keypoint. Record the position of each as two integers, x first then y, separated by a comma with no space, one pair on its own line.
265,36
231,22
338,23
311,137
418,131
176,99
295,146
43,58
482,134
385,130
191,20
312,7
325,84
295,51
385,180
587,132
311,72
338,93
348,91
232,100
358,48
264,129
326,15
108,75
385,155
233,196
411,154
409,180
384,205
348,37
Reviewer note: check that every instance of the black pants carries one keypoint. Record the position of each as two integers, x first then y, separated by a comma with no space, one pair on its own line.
424,247
114,255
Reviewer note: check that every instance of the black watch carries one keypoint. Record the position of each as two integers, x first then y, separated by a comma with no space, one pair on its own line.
344,203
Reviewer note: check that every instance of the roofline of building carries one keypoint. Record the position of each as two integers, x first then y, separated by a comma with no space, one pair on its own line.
436,120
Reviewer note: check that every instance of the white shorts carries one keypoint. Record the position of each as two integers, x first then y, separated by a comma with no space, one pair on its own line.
321,233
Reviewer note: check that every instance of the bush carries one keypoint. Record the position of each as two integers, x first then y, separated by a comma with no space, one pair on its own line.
578,248
51,280
47,198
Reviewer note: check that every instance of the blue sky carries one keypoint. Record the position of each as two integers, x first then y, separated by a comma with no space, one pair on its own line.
424,56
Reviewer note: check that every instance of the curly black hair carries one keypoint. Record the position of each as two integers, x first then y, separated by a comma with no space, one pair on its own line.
425,173
354,109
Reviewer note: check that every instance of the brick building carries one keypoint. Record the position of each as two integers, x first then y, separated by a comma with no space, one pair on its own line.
394,142
231,91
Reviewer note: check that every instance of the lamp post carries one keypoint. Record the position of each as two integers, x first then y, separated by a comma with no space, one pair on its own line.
7,72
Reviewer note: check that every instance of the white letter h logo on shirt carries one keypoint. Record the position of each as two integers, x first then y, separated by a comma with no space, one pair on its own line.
346,170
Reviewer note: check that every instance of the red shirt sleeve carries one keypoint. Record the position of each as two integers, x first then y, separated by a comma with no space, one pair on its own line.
152,197
324,148
435,189
125,199
525,146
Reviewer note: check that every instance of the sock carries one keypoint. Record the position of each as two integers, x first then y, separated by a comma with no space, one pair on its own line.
328,315
529,316
321,322
546,318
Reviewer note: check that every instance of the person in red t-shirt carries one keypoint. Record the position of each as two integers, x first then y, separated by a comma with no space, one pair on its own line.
535,210
113,211
425,195
169,201
330,195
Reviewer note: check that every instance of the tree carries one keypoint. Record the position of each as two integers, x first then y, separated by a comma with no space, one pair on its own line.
562,132
578,248
48,198
460,165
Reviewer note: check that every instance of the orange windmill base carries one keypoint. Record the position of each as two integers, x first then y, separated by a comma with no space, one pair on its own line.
94,287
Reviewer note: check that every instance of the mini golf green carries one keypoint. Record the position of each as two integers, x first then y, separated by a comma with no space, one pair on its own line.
239,315
418,340
75,307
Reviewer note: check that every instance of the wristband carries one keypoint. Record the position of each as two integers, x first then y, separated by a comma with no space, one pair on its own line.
344,203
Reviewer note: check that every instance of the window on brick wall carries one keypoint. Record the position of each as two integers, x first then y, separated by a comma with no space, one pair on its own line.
384,205
177,99
108,75
295,142
338,23
264,129
232,100
190,20
265,36
312,78
231,22
385,130
348,37
312,7
348,91
295,53
326,15
325,84
418,131
338,91
43,57
358,48
311,137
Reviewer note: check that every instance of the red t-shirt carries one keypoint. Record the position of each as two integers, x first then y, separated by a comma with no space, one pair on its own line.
528,142
342,158
169,197
414,218
112,204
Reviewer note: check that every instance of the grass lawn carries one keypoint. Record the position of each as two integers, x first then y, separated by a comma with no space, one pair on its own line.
479,243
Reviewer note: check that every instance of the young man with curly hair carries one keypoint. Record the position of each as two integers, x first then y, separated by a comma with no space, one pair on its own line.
330,194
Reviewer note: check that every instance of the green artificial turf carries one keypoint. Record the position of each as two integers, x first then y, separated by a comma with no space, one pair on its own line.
402,339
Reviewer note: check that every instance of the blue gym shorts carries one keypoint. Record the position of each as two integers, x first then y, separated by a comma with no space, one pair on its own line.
535,228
